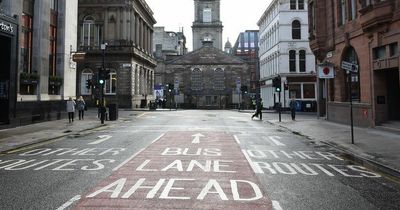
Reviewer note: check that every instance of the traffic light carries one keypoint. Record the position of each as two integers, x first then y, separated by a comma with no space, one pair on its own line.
276,83
286,87
243,88
170,86
88,83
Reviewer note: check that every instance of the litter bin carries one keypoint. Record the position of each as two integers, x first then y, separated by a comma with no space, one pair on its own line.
152,105
113,111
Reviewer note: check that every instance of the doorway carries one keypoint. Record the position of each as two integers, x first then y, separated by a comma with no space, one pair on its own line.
5,62
393,94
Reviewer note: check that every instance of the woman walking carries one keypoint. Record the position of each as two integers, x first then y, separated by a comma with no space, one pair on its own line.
80,105
71,109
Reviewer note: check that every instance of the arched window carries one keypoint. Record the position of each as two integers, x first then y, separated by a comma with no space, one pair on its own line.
302,59
86,75
219,79
296,29
111,83
350,55
292,60
197,79
91,32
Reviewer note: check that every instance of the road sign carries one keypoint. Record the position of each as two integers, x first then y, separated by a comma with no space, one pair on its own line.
325,72
349,66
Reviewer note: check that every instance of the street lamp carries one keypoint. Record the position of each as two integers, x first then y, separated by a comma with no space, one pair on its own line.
170,99
101,82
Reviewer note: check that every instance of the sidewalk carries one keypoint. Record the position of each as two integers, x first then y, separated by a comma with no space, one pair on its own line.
14,138
373,147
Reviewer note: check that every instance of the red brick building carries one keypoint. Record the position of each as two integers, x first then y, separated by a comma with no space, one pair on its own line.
367,34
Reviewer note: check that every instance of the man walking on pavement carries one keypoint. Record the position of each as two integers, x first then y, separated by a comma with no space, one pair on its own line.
259,107
292,106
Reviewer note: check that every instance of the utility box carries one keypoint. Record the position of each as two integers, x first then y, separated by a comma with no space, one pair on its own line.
112,112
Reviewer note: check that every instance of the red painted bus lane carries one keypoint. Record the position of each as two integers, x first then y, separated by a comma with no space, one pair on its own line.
182,170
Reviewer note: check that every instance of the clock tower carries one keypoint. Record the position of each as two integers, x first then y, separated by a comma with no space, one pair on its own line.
207,26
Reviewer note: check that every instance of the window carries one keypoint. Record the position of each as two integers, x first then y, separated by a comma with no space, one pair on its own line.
207,15
86,74
53,42
219,79
292,4
296,30
394,51
292,61
380,53
26,36
350,56
308,91
197,79
111,83
353,7
342,12
301,4
295,91
91,32
302,59
54,5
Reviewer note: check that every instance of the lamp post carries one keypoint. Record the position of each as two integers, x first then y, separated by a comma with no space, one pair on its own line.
102,82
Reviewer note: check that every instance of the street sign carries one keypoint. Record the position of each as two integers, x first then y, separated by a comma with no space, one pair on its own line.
349,66
126,65
326,72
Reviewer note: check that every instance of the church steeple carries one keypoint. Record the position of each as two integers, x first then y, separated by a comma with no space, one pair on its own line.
207,25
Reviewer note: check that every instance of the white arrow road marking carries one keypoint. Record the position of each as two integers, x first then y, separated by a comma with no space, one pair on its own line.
196,139
275,140
276,205
68,203
101,139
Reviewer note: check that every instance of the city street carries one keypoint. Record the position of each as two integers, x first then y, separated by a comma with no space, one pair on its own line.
189,159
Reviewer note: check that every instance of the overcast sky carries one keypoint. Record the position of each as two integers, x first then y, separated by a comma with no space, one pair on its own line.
236,16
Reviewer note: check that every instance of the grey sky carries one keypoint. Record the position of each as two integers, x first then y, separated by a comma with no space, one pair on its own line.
236,16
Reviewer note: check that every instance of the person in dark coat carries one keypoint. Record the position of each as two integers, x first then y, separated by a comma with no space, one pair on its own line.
259,107
292,106
70,109
80,106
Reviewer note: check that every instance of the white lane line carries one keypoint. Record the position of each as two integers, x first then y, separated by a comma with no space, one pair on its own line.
127,160
68,203
236,139
101,139
158,138
141,115
253,166
276,205
275,140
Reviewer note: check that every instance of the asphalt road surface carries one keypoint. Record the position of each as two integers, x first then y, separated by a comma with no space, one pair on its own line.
189,159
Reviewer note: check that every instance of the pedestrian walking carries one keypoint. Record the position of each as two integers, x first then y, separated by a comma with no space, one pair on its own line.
292,105
80,105
259,107
71,109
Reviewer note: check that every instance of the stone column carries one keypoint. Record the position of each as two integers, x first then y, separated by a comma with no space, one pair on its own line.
137,29
151,41
105,31
123,24
118,34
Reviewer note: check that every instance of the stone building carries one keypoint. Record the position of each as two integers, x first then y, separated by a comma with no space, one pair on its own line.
285,52
366,34
207,78
207,25
125,31
37,38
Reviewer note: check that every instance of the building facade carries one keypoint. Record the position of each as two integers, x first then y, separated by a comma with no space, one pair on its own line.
207,25
246,47
366,34
116,35
285,52
207,78
37,37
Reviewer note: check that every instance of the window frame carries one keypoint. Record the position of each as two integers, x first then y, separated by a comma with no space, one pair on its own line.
296,29
292,61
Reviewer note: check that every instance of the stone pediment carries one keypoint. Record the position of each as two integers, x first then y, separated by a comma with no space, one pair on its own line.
207,55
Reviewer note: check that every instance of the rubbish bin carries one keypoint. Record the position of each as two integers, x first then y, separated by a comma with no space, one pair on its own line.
113,112
152,105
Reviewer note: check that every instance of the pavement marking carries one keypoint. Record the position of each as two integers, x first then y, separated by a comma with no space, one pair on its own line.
141,115
158,138
196,139
252,165
68,203
275,140
127,160
276,205
236,139
101,139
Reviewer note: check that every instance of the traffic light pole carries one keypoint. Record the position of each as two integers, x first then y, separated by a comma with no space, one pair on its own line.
279,106
102,105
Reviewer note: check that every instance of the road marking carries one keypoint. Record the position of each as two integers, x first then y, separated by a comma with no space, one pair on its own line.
196,139
141,115
68,203
252,165
275,140
236,139
276,205
127,160
158,138
101,139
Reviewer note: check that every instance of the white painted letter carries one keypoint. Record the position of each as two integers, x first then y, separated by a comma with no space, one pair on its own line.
168,187
235,191
172,151
176,164
140,168
212,183
138,185
119,185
